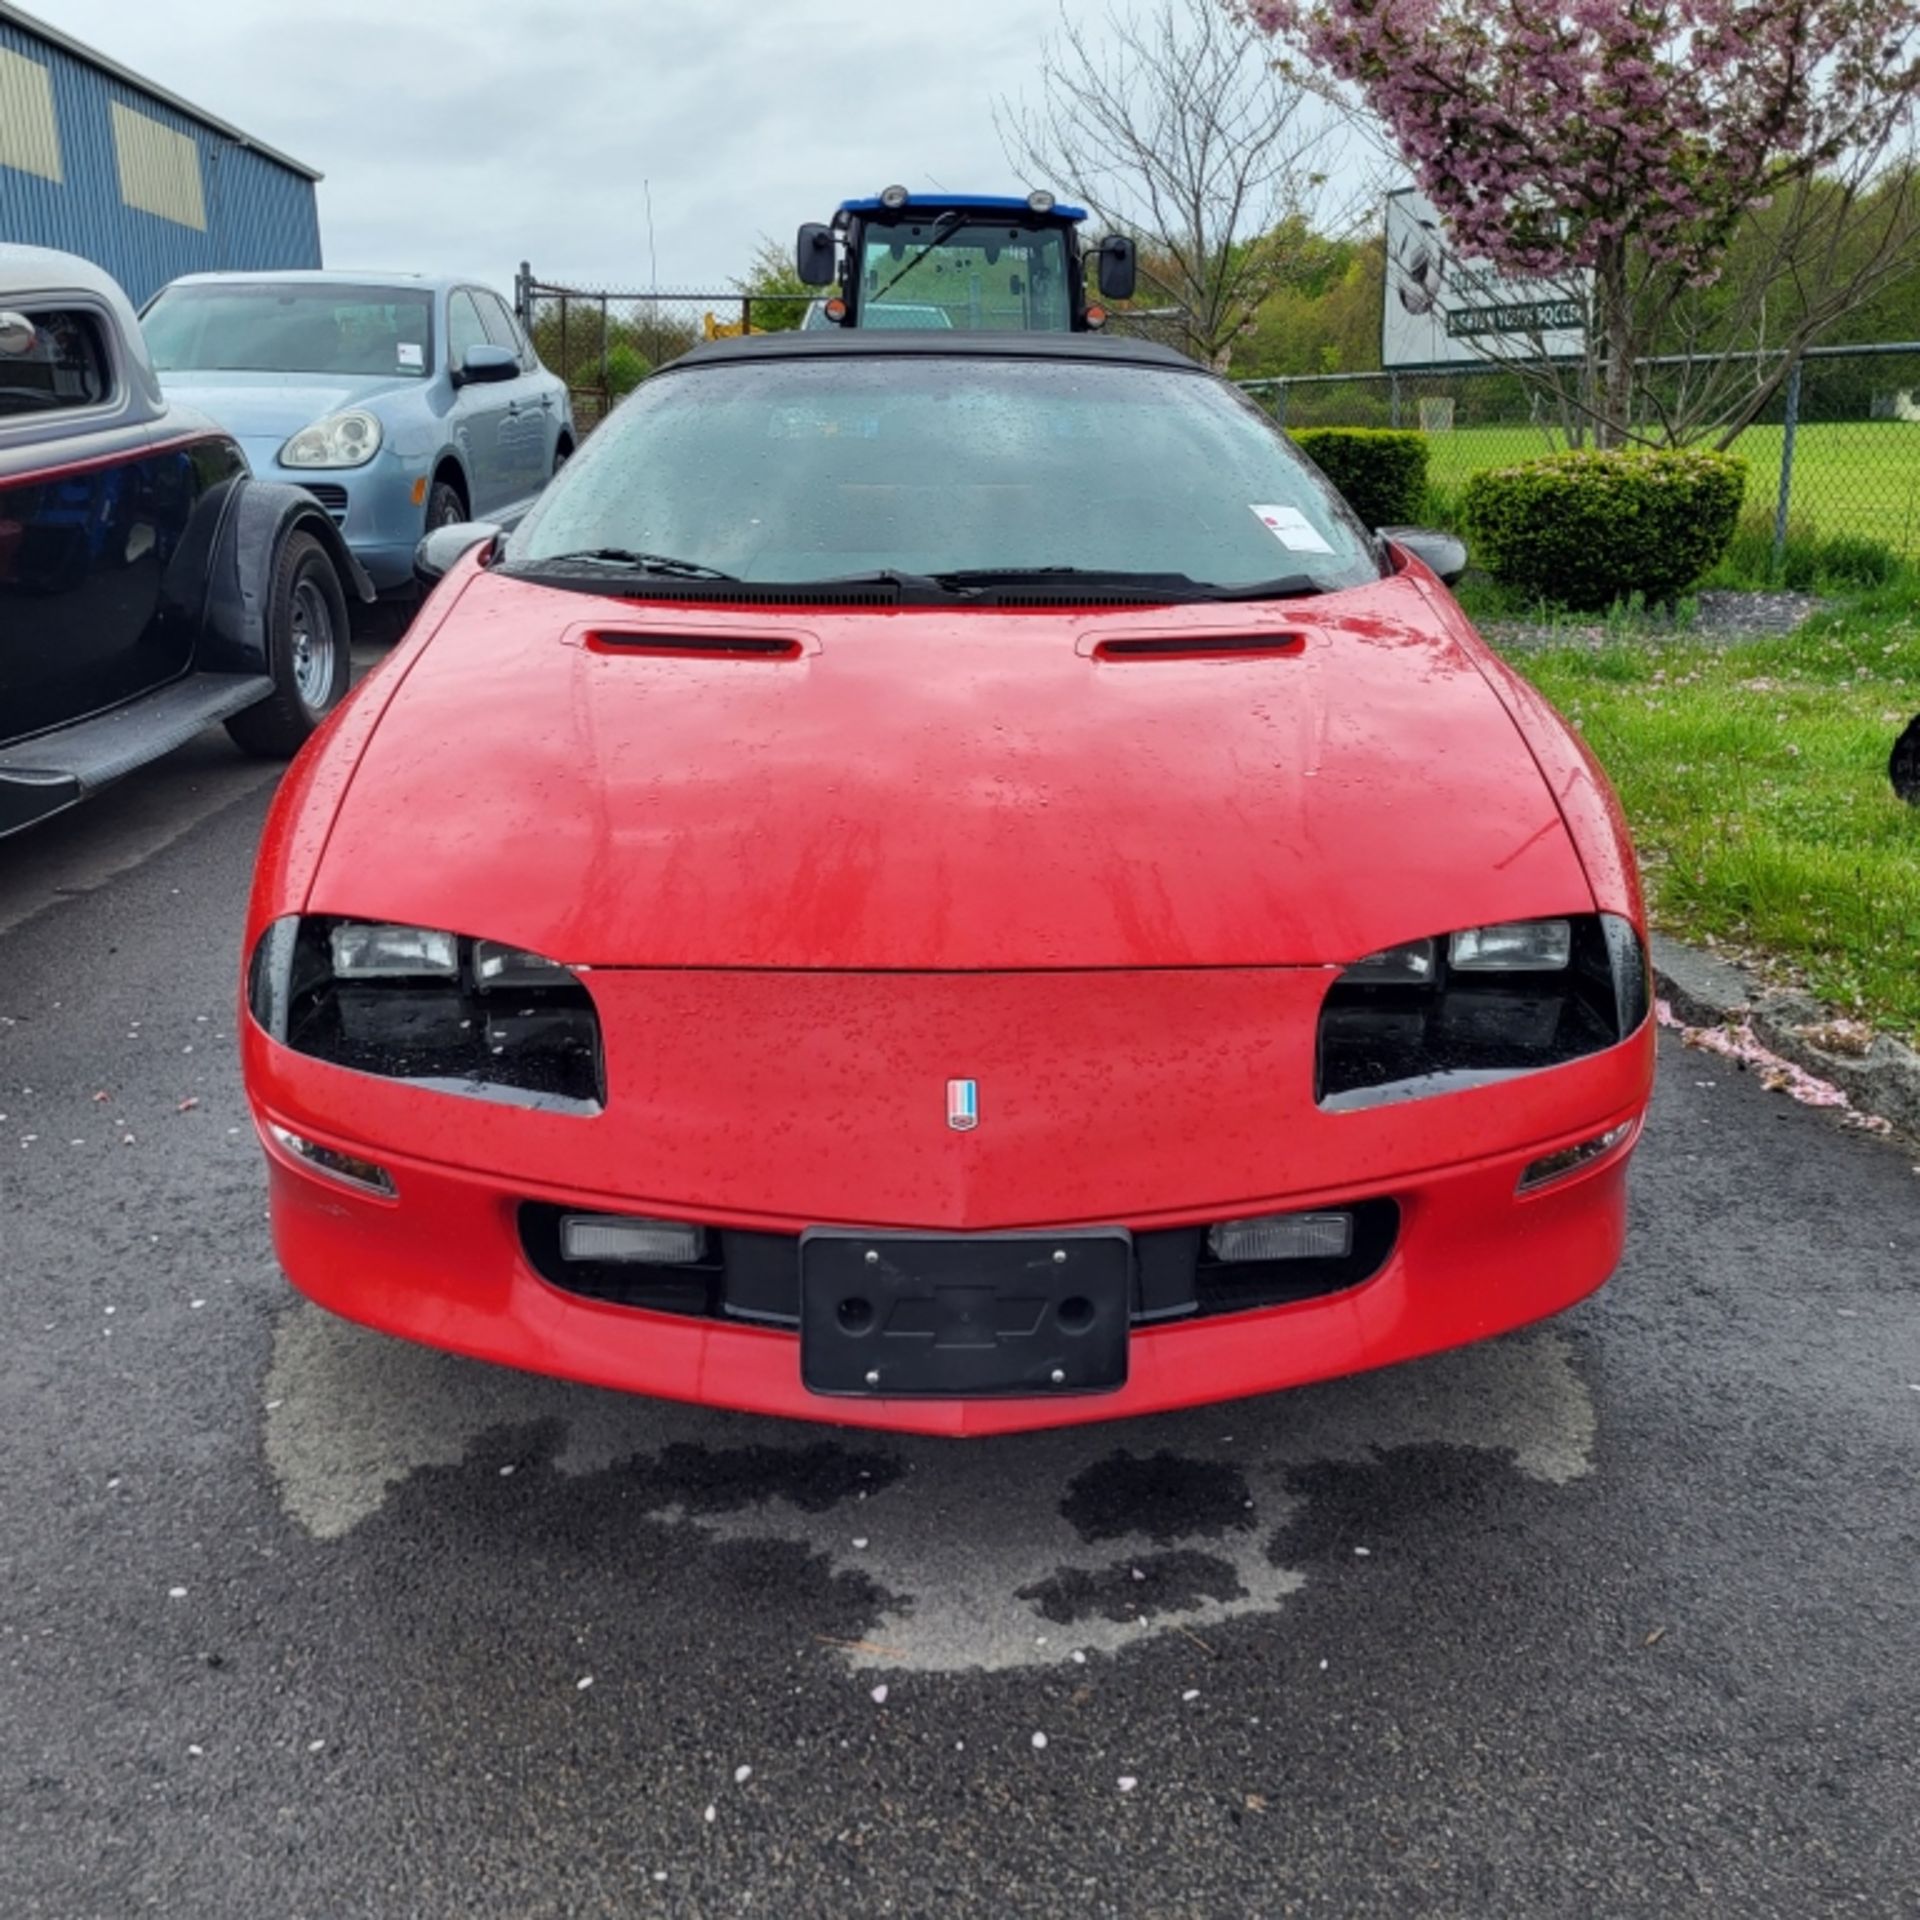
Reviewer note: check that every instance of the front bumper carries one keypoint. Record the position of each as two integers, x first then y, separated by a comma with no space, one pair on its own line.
1195,1113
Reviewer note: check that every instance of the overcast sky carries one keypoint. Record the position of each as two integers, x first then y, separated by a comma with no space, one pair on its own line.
467,137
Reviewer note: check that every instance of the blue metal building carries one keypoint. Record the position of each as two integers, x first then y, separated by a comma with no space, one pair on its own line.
98,161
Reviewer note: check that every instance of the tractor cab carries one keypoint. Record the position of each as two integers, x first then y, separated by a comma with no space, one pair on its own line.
964,261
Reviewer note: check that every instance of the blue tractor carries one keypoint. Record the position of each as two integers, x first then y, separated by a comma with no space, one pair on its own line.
955,260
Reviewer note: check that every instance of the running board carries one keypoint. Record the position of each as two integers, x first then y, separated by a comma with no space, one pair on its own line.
53,770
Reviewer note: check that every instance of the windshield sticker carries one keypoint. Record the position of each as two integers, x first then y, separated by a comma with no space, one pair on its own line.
411,354
1293,529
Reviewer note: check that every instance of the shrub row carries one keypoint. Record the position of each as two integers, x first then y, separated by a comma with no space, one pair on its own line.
1587,529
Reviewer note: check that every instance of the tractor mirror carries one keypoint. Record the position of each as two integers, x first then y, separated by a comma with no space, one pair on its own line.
1118,265
813,255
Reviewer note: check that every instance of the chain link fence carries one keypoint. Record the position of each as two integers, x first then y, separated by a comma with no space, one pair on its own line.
604,341
1834,456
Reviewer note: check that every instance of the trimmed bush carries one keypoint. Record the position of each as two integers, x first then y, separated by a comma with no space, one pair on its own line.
1586,529
1380,473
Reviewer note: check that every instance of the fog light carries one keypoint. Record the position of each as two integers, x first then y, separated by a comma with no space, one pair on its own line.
1283,1236
646,1243
346,1167
1556,1166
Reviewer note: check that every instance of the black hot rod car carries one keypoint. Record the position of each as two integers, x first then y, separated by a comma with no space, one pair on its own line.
149,585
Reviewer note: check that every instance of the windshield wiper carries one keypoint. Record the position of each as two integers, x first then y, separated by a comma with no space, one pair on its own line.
943,226
628,561
924,584
1180,585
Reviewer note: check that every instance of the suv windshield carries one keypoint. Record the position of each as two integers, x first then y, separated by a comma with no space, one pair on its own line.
808,469
289,328
948,272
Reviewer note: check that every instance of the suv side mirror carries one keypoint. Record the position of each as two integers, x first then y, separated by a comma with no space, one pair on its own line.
1118,265
444,545
813,255
1445,553
486,362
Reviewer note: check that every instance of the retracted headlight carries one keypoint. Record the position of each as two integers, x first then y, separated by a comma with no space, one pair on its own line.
347,439
1513,946
434,1008
1483,1003
1410,965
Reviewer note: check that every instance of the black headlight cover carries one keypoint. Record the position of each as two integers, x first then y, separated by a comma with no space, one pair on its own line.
1381,1044
535,1046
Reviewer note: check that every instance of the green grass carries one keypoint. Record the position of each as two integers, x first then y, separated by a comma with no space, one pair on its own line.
1755,778
1853,477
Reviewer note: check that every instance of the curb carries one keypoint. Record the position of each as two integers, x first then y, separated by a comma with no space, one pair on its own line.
1706,991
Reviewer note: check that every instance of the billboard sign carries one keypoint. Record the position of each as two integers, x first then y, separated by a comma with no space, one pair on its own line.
1441,310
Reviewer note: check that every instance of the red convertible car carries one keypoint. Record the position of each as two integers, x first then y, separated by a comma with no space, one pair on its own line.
945,882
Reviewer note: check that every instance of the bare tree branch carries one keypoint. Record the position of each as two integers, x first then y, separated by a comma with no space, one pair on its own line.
1172,124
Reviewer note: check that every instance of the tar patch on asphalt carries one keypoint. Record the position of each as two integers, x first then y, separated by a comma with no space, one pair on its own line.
1409,1494
1164,1498
903,1552
711,1480
1153,1583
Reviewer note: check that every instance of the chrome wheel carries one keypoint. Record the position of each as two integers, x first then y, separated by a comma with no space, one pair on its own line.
314,643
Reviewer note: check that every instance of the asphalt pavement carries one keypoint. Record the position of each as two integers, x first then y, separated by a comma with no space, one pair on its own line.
1613,1617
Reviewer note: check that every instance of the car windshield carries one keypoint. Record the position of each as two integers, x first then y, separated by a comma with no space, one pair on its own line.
946,272
263,327
805,470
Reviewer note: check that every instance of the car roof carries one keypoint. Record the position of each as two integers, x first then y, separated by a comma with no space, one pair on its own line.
38,270
932,343
331,277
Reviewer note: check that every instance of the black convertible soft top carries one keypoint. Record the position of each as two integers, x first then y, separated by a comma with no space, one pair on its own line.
934,343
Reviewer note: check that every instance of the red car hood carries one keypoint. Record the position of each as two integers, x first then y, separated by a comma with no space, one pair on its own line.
931,789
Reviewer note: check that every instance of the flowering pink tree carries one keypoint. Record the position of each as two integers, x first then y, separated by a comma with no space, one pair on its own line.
1635,141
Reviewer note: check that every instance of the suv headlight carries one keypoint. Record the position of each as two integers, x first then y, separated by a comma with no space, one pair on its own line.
347,439
1460,1009
437,1009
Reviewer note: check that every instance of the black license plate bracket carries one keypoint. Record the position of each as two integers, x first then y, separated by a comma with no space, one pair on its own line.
913,1315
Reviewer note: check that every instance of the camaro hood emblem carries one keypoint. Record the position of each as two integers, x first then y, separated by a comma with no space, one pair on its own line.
963,1105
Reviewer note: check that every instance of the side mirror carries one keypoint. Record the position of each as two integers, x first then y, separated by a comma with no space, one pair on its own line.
1444,553
1118,265
16,334
445,545
813,255
484,363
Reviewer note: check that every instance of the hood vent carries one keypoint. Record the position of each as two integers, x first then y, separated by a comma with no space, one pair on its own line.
1198,646
697,646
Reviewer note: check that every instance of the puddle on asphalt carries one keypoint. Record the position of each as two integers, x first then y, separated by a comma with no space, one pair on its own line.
989,1554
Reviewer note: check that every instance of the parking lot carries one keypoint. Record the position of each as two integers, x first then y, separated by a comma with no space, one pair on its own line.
1613,1616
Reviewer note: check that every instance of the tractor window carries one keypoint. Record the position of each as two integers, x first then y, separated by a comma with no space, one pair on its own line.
939,272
